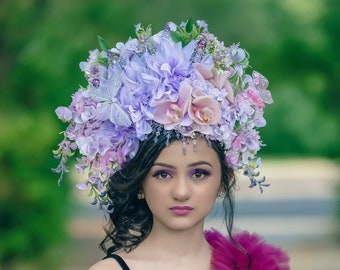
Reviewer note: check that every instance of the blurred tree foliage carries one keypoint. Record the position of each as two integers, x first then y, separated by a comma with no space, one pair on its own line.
293,43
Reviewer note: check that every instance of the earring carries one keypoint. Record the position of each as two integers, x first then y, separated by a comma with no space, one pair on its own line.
140,195
221,194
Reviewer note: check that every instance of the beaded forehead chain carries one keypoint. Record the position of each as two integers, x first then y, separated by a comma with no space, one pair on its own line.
180,79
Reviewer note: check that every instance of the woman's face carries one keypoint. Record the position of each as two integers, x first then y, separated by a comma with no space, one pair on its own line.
181,189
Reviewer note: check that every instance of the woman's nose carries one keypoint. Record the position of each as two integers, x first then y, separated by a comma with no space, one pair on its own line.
181,190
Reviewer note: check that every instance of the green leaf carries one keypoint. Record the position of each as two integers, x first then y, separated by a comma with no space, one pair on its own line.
90,192
102,61
176,36
56,152
70,154
189,26
103,44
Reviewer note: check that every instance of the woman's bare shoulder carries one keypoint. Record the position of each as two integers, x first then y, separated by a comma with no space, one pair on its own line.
107,264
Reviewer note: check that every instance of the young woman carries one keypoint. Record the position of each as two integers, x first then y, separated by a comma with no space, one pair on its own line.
163,124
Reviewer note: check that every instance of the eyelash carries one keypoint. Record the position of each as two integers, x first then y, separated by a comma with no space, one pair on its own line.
161,173
196,174
201,172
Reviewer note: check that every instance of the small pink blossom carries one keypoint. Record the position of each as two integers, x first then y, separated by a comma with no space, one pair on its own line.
216,78
232,158
239,143
256,99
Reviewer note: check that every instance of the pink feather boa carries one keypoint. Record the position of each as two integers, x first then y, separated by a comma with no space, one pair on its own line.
226,256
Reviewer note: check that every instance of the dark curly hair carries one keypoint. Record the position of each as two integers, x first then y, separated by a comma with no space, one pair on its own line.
131,219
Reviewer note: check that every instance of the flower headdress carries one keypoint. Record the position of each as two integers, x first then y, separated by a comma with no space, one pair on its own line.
181,78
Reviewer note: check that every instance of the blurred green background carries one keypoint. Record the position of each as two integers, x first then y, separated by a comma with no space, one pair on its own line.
293,43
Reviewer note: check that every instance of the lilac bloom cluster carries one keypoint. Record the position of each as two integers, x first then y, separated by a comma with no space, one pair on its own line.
181,78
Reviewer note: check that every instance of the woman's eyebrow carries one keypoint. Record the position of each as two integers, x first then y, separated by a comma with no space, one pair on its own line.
202,162
197,163
164,165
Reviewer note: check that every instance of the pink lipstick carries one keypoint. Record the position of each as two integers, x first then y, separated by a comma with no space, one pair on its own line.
181,210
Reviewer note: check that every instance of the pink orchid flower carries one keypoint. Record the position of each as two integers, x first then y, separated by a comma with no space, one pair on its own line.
204,110
217,79
168,112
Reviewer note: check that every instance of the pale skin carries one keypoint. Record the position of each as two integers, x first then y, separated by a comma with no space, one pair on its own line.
176,180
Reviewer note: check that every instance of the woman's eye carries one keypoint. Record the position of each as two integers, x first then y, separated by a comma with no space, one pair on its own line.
162,175
200,173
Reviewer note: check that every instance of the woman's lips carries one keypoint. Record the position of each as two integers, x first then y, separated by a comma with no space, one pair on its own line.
181,210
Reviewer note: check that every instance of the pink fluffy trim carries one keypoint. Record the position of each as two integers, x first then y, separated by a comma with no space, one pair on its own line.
227,256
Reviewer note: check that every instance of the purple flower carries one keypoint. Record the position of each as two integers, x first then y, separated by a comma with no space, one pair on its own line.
108,105
128,49
92,68
171,63
64,113
202,23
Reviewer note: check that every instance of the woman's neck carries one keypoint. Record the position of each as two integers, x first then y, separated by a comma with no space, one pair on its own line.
165,248
178,243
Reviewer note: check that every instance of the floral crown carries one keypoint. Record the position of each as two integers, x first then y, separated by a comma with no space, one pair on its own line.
181,78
